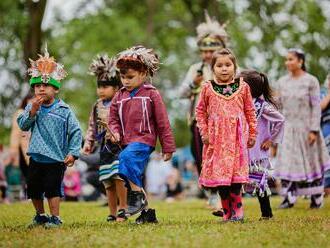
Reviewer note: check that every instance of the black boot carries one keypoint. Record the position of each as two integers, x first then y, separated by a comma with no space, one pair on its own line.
147,216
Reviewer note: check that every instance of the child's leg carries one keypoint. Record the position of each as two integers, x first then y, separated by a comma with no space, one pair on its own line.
266,210
224,192
134,187
236,201
121,193
54,206
112,199
133,160
38,206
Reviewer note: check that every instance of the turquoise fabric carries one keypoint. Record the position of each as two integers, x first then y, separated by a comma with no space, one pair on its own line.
54,134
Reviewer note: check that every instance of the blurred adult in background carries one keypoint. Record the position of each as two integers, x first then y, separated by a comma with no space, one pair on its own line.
211,36
72,184
325,124
302,157
19,141
3,183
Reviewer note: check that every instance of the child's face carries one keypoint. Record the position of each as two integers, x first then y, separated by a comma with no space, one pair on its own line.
132,79
224,69
106,92
46,91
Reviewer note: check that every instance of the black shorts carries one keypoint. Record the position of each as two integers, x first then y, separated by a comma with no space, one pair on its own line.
45,179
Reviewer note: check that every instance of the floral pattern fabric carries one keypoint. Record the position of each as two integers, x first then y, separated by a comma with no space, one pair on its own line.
297,159
228,121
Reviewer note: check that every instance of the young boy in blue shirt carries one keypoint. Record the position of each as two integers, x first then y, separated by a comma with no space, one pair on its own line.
55,139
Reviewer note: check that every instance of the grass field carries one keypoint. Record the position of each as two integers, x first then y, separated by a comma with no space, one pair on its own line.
182,224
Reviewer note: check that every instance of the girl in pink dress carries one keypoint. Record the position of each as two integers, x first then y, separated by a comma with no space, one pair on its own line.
226,118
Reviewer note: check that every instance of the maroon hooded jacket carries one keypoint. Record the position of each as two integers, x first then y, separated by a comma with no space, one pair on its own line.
141,118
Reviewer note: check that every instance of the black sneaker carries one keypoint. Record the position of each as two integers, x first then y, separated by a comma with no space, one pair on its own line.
111,218
265,218
54,222
39,220
147,216
136,202
313,205
121,215
218,213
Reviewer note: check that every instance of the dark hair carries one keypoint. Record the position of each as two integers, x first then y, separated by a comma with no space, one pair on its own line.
125,64
113,81
224,52
259,85
300,55
25,100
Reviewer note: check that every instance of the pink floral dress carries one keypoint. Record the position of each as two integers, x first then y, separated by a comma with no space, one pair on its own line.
226,115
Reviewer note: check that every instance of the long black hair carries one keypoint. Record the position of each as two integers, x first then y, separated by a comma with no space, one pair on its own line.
259,85
300,55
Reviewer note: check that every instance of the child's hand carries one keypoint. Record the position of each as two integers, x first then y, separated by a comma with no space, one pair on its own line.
266,145
36,103
205,139
167,156
115,138
312,137
69,160
251,143
87,149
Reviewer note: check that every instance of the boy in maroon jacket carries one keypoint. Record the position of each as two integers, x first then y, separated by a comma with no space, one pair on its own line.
138,117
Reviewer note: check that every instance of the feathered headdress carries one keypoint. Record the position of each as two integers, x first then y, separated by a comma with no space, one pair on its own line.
144,55
46,70
210,34
104,68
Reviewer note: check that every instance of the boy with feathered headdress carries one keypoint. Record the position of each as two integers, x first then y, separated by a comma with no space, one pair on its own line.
55,139
139,118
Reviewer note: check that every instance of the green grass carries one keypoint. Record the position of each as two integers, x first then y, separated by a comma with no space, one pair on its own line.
182,224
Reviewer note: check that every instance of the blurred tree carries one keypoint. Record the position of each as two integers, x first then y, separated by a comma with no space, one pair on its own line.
20,39
260,34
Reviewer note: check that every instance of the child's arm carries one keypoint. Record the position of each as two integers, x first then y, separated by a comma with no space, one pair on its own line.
276,120
27,118
74,139
250,116
114,120
163,126
90,134
202,115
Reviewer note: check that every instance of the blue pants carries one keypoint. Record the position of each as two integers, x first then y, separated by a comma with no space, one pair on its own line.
133,160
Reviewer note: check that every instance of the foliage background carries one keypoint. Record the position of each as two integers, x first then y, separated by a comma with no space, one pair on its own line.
260,33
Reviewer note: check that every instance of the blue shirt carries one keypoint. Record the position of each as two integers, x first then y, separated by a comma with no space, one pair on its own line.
55,132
